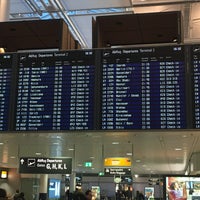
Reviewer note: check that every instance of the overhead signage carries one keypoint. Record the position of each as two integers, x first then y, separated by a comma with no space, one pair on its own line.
117,162
55,91
88,164
35,165
117,171
144,88
117,180
3,174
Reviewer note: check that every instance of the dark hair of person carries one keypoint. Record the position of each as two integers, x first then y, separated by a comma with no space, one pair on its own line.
88,191
22,194
79,196
172,186
3,192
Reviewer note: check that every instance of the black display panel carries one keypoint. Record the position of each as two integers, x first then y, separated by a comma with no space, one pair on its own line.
143,88
5,90
195,62
55,91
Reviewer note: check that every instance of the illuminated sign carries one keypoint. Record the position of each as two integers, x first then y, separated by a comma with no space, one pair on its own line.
54,188
117,171
117,162
32,165
4,174
143,88
55,91
88,164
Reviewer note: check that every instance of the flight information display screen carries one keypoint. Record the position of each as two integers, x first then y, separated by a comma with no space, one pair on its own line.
196,83
143,88
5,89
55,91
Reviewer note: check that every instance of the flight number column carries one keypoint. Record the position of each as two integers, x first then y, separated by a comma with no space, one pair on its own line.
35,98
23,98
108,96
121,101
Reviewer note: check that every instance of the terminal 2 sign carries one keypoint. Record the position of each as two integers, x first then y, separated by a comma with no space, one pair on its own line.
34,165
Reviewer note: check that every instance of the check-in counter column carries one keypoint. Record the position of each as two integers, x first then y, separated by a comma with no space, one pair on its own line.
72,182
43,186
4,10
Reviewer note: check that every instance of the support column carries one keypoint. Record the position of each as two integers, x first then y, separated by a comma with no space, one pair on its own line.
72,182
4,10
72,185
62,188
43,186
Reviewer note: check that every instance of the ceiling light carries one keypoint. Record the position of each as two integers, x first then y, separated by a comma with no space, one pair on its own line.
4,174
55,143
2,50
115,142
1,143
178,149
38,153
184,136
129,154
12,157
71,149
56,137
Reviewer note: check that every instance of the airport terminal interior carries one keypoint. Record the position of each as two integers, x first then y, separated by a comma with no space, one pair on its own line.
144,151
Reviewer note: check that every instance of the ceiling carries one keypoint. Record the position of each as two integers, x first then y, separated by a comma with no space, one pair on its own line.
151,152
78,14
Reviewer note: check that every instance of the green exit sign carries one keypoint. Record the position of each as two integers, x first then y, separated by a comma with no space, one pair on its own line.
101,173
88,164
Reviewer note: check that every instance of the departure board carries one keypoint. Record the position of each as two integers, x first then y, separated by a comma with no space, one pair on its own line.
5,90
195,57
55,91
143,88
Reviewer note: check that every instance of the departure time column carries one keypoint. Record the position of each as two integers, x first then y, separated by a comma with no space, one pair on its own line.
5,87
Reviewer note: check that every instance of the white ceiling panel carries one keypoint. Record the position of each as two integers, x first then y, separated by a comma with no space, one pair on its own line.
94,4
162,8
19,6
84,26
151,152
